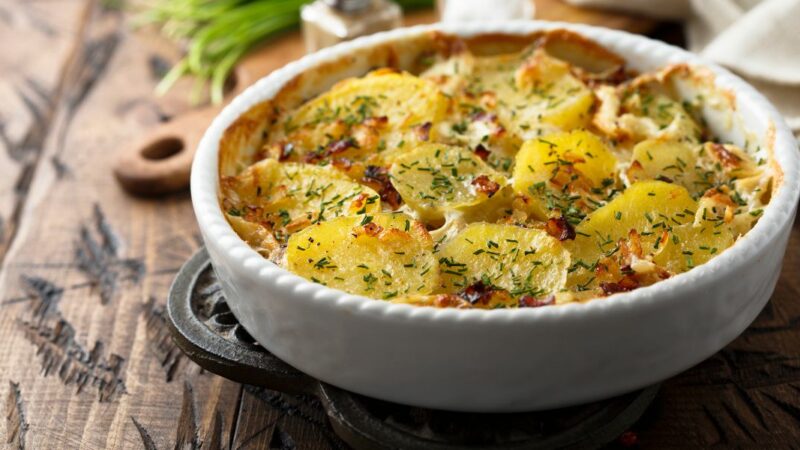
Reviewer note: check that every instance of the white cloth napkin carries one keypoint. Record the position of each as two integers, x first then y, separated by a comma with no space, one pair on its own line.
758,39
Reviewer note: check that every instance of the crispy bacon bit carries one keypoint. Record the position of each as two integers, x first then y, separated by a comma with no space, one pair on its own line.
376,122
483,116
632,247
340,146
485,185
479,293
314,157
359,202
476,292
392,197
489,99
481,152
560,228
423,131
377,178
617,76
625,284
333,148
719,197
298,224
450,301
725,156
372,229
286,151
342,164
529,301
376,173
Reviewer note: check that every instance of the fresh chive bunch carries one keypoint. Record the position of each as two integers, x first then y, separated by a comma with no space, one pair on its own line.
219,33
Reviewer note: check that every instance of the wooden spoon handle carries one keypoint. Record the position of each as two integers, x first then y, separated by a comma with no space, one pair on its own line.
160,162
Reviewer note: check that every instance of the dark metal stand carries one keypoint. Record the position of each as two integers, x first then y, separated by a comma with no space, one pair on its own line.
207,331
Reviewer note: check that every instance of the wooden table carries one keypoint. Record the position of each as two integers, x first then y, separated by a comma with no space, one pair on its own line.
85,355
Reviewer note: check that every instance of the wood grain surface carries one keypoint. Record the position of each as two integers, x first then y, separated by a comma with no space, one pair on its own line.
86,360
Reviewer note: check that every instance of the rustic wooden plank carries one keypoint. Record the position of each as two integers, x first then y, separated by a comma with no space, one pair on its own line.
38,46
85,278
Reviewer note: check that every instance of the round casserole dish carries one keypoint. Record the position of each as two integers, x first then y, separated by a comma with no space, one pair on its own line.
497,360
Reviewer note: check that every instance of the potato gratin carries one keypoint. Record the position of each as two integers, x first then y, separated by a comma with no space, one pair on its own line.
546,175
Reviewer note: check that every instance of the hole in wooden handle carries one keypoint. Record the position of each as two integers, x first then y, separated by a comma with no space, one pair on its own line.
163,148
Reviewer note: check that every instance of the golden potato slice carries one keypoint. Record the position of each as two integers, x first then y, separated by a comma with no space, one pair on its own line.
657,159
649,208
385,111
646,206
690,245
383,256
651,222
287,197
551,94
522,261
436,178
561,173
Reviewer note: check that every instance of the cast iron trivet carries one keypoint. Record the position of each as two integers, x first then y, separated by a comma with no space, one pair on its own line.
206,330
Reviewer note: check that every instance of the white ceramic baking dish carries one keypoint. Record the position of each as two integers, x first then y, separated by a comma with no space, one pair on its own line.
503,360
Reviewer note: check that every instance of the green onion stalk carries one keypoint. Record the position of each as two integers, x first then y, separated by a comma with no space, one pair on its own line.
219,33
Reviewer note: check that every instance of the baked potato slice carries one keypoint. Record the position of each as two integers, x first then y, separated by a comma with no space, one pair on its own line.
522,261
434,179
666,160
287,197
550,94
562,172
382,256
643,231
383,112
642,213
690,245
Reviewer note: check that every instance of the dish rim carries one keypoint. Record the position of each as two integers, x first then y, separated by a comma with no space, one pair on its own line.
781,208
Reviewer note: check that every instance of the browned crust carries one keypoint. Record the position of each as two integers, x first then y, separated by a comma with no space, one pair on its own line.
242,138
499,43
581,51
769,142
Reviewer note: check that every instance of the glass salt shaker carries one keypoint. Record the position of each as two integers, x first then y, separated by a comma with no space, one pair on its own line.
327,22
483,10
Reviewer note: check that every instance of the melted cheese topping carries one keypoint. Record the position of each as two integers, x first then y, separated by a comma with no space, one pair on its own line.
511,180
